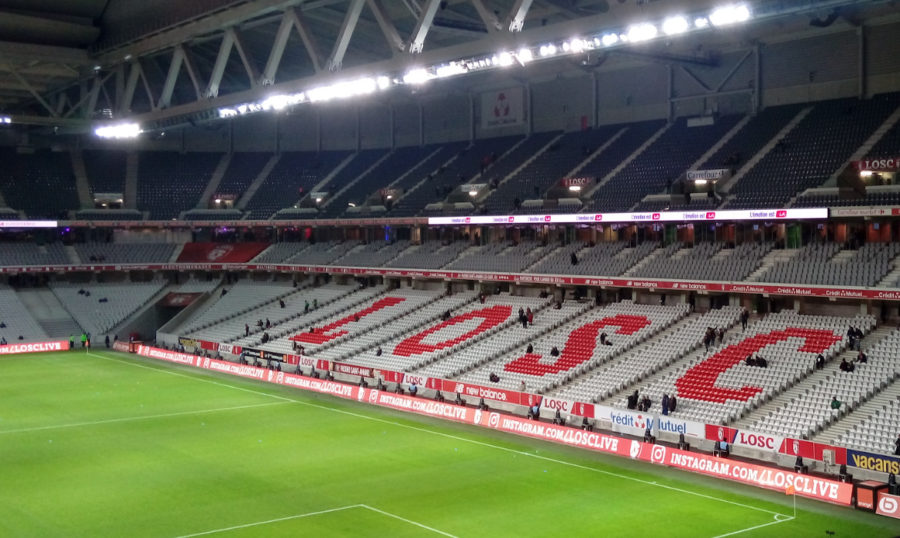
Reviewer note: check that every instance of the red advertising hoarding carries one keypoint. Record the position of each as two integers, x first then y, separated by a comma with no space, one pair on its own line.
34,347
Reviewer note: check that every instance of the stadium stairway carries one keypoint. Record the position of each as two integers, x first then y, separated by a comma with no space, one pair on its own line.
131,180
815,376
82,186
864,149
877,403
438,366
890,280
596,153
426,315
613,396
628,160
72,253
773,258
49,312
400,313
297,320
257,181
214,181
726,186
699,163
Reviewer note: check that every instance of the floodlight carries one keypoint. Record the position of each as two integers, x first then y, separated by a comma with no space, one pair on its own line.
609,40
524,55
122,130
729,15
641,32
675,25
416,76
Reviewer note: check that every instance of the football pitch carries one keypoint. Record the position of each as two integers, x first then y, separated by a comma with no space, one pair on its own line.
110,444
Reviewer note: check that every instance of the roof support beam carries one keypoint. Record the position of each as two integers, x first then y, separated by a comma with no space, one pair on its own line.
165,97
32,91
517,15
487,17
130,86
344,35
387,25
277,50
212,89
246,59
417,39
309,41
191,67
90,97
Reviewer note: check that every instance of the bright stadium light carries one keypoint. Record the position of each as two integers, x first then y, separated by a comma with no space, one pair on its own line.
574,188
504,59
383,82
450,70
729,15
524,56
547,50
609,40
119,131
417,76
641,32
473,193
576,45
701,22
675,25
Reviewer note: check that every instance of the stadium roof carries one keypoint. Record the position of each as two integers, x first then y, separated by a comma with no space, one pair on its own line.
71,63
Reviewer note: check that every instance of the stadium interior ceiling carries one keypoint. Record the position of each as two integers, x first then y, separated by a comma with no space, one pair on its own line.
69,64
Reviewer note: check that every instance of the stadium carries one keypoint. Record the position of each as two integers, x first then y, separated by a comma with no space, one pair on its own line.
450,267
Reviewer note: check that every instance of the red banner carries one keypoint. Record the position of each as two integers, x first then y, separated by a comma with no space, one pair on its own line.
220,252
488,393
34,347
884,164
121,346
884,294
351,369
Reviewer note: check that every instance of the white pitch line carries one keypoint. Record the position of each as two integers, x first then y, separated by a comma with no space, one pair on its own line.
777,521
195,378
463,439
136,418
411,522
268,521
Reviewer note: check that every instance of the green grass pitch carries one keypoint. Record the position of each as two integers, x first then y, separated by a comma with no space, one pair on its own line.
109,444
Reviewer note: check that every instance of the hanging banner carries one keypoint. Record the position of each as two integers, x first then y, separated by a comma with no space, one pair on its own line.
502,108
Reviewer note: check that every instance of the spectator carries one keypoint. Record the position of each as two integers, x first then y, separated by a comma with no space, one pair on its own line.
633,400
862,357
378,352
672,403
820,361
761,362
554,351
646,404
574,259
246,330
306,307
3,341
494,378
529,349
745,317
750,361
281,303
315,303
835,403
268,324
106,341
845,366
530,315
523,387
897,446
413,389
665,404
